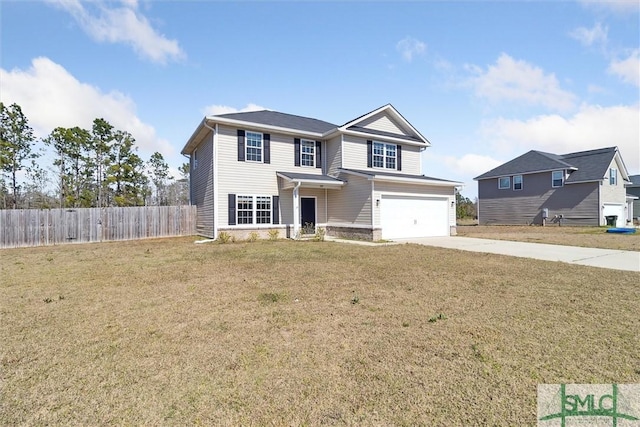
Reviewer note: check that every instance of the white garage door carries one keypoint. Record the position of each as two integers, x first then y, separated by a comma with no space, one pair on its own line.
614,209
402,217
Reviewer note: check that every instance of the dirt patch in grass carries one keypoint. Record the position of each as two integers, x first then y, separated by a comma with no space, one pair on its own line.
590,237
302,333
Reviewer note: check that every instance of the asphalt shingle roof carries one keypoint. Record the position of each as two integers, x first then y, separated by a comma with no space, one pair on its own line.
283,120
396,175
309,177
635,180
590,165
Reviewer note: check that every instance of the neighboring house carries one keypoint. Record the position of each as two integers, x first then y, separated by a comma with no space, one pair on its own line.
264,170
580,188
633,199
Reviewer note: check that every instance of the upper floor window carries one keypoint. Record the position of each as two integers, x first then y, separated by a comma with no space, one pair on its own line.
307,152
613,176
504,183
557,179
254,146
517,182
195,159
384,155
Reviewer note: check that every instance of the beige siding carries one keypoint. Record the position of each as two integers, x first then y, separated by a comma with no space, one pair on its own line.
352,204
202,186
253,178
577,203
333,155
286,204
613,193
355,156
384,123
388,188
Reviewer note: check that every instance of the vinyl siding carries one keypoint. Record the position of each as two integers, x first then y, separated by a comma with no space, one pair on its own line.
253,178
334,155
352,203
202,186
388,188
578,203
613,193
383,123
286,204
355,156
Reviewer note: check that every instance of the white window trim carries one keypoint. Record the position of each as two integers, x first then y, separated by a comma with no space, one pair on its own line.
552,179
254,210
313,152
508,186
613,176
521,183
246,146
384,155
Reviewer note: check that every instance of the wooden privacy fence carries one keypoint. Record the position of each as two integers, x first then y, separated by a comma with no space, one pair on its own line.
35,227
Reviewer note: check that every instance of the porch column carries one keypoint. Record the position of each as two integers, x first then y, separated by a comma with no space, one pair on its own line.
296,210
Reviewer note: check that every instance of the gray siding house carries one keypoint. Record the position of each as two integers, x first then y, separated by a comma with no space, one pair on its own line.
264,170
582,188
633,199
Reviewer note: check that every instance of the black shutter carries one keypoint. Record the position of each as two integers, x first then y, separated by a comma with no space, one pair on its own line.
275,209
232,209
369,153
266,148
296,151
318,154
240,145
399,157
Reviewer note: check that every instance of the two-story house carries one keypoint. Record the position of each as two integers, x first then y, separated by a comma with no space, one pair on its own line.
581,188
264,170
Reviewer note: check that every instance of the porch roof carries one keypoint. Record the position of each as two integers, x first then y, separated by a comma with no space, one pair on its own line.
308,180
403,178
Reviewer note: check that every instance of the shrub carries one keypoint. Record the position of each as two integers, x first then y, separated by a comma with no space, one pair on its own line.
273,234
320,232
253,236
224,237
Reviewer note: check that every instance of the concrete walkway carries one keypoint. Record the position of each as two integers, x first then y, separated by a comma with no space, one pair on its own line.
603,258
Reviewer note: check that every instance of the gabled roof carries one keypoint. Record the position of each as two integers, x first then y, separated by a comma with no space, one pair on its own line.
585,166
352,126
282,120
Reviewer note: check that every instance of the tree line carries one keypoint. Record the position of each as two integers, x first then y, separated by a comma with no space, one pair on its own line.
97,167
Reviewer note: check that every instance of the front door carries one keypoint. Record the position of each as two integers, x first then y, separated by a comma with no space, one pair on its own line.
308,214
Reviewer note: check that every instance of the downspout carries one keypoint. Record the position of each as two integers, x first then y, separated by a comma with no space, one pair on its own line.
373,207
296,210
214,170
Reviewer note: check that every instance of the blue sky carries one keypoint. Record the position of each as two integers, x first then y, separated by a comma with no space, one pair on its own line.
483,81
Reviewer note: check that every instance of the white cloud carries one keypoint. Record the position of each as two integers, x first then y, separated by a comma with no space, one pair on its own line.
410,47
471,164
591,127
122,25
627,69
51,97
589,36
214,110
518,81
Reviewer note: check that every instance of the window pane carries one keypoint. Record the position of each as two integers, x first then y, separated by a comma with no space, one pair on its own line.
307,153
504,182
517,182
254,146
245,209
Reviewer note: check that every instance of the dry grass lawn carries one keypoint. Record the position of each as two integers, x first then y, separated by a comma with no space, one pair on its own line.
165,332
590,237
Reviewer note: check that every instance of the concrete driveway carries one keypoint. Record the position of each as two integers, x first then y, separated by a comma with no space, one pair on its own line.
603,258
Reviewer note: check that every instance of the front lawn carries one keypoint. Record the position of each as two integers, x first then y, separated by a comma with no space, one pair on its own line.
164,332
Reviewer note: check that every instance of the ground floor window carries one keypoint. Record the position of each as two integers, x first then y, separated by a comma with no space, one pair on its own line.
253,209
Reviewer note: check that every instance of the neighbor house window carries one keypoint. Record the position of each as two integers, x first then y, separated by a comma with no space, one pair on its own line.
504,183
613,176
195,159
557,178
384,155
307,152
254,146
517,182
253,209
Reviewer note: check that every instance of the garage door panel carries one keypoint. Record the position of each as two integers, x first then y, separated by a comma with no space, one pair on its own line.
405,217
